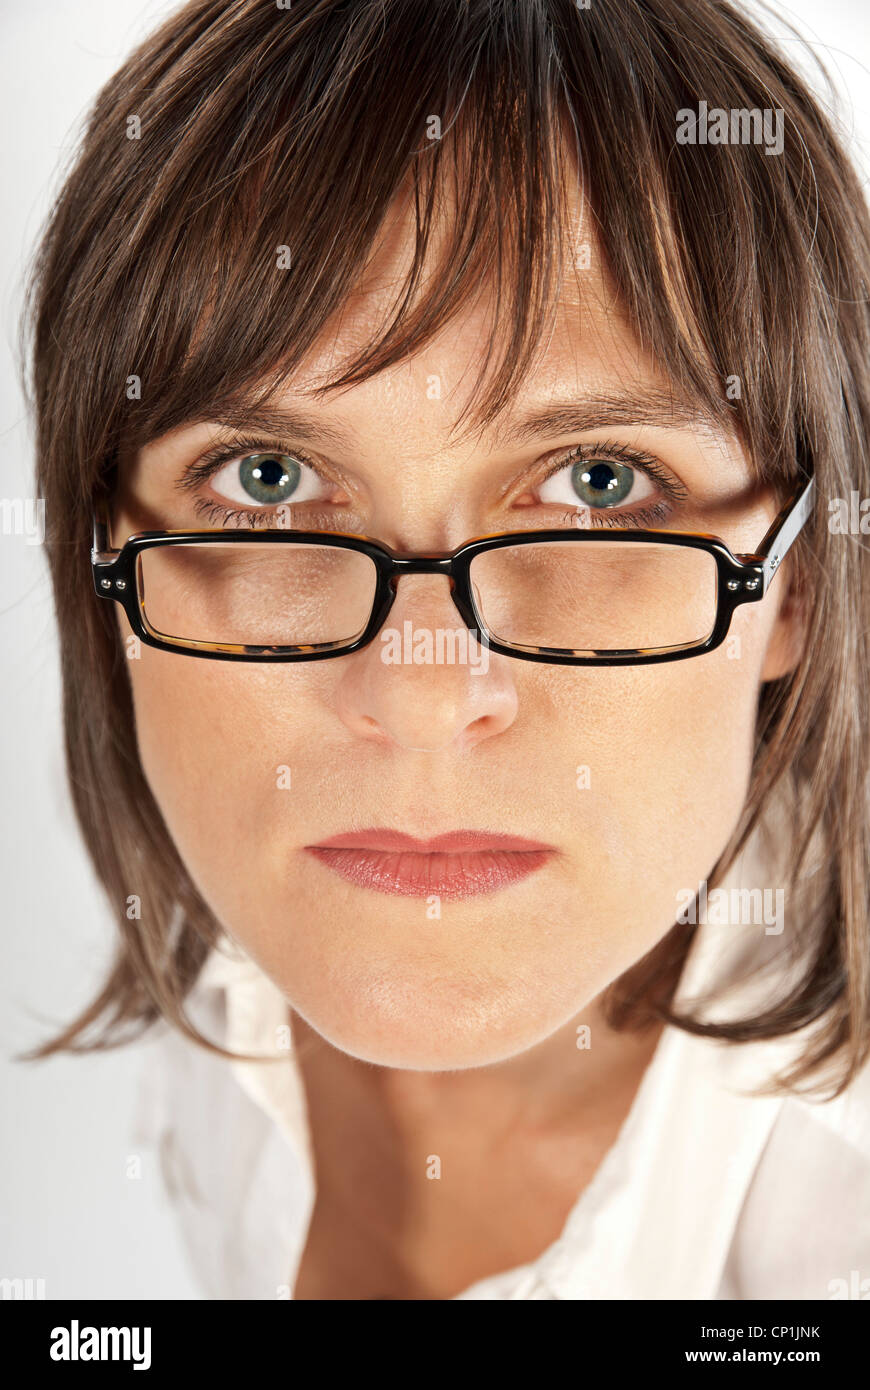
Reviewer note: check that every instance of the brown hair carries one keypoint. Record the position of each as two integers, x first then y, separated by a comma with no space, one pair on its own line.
262,127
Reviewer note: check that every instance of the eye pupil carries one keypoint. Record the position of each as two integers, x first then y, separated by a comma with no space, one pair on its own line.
270,472
269,478
601,475
601,483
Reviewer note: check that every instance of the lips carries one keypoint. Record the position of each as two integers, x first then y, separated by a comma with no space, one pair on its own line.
458,864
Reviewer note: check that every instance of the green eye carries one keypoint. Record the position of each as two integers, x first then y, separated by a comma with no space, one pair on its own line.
602,484
269,478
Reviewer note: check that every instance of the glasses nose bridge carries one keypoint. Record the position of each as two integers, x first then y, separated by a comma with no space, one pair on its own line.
438,562
434,563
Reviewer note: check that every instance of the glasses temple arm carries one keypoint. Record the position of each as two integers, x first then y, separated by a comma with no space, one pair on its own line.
101,550
785,530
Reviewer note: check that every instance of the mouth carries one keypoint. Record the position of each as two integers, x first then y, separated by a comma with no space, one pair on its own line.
458,864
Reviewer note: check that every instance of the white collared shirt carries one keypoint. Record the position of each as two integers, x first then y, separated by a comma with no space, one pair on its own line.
707,1192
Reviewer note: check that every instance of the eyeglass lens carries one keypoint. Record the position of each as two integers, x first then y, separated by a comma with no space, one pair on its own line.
593,597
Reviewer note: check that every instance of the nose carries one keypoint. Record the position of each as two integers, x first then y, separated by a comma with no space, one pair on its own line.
424,683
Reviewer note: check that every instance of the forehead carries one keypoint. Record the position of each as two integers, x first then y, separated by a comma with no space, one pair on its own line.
588,345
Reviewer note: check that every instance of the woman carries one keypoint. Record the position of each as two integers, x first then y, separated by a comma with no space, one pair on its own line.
530,907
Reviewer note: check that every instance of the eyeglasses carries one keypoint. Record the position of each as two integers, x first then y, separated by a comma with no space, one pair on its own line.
574,598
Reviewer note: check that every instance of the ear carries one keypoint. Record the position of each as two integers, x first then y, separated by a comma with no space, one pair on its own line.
789,634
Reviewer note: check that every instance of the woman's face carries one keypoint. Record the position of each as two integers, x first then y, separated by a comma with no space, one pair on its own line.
436,747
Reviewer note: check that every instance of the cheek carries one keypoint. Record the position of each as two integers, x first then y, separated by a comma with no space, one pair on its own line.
217,742
663,756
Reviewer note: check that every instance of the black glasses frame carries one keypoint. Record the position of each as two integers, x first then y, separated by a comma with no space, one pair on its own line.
741,579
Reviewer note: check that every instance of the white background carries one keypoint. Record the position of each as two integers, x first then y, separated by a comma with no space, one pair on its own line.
70,1215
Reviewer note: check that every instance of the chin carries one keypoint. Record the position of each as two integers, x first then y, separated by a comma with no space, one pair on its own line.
438,1023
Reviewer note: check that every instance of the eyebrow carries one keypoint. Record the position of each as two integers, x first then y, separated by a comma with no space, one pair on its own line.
642,406
284,420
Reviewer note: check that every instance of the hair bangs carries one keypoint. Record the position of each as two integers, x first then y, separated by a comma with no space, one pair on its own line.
232,290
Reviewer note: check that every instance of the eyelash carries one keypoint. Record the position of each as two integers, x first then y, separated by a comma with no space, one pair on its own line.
609,451
605,450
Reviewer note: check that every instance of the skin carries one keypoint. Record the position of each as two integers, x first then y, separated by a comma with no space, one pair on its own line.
457,1035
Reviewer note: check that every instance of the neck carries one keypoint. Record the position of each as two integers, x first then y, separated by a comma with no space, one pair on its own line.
569,1077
